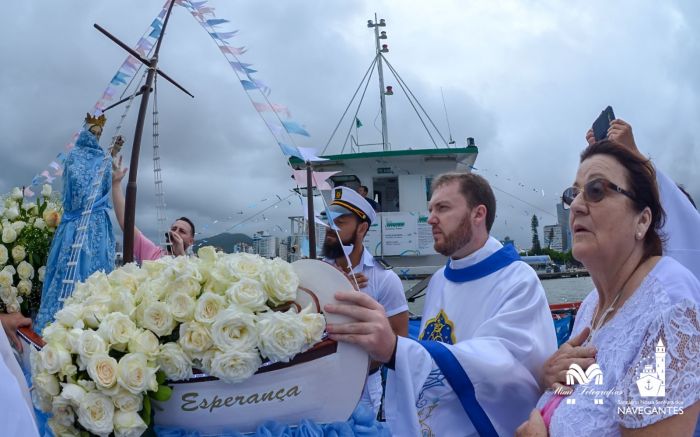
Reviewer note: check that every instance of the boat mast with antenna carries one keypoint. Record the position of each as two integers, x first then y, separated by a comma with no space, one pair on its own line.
376,24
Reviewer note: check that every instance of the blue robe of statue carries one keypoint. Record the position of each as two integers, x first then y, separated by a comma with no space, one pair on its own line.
81,168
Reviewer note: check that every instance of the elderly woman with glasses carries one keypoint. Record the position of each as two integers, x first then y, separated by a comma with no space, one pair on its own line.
633,364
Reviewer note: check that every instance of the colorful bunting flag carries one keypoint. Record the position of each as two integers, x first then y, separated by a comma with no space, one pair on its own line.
293,127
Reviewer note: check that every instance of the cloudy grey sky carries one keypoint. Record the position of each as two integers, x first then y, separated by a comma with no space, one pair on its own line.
525,78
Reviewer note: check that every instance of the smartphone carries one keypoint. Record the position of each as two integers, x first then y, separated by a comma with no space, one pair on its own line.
168,244
602,123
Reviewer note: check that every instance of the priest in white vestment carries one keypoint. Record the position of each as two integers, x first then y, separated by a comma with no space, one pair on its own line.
16,410
486,330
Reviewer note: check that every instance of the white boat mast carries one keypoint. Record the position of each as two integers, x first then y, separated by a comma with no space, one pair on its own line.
376,24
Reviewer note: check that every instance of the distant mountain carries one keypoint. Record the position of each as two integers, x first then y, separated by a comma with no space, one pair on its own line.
224,241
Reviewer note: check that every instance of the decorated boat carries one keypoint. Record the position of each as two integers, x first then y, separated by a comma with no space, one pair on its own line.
322,384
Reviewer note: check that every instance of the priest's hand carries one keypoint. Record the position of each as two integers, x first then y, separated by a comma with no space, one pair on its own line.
570,352
370,330
534,427
10,323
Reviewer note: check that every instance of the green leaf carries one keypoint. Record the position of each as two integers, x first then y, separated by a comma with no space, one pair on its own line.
146,410
160,377
163,394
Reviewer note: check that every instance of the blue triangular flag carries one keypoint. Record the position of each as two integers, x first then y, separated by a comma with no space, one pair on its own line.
294,128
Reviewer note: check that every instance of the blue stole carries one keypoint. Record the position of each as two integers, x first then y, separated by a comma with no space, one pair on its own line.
446,361
461,385
493,263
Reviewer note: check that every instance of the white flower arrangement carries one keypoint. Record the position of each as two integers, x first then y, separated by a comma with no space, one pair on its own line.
119,336
25,239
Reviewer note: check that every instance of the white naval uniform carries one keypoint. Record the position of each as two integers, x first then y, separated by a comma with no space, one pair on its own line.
16,410
682,227
500,330
385,287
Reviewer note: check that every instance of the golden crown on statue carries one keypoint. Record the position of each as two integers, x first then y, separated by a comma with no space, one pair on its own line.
95,121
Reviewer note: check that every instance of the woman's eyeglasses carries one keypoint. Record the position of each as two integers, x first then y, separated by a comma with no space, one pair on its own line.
593,192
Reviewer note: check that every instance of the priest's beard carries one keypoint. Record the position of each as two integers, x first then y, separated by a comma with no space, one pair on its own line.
456,240
332,247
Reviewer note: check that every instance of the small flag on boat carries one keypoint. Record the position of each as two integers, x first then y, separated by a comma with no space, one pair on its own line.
358,123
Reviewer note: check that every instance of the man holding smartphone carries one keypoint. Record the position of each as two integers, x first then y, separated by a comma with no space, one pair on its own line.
179,238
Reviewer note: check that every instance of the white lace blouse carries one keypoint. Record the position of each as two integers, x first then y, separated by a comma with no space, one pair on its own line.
649,355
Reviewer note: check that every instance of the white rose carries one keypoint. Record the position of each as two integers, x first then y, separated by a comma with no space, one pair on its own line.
145,342
96,413
24,269
24,287
248,265
188,285
194,338
235,366
135,375
3,255
103,370
56,333
208,306
203,361
13,307
46,190
69,315
11,213
281,335
62,412
73,393
117,329
128,424
248,293
281,282
33,210
42,273
234,329
156,317
89,345
122,300
42,401
6,279
8,235
54,357
314,325
16,194
59,430
18,226
174,362
39,223
127,401
8,295
18,253
46,383
92,315
127,276
181,306
35,363
207,254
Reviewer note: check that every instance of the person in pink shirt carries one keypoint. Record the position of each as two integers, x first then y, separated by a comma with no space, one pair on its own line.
181,233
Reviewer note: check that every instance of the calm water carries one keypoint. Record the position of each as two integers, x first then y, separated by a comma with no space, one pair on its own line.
557,290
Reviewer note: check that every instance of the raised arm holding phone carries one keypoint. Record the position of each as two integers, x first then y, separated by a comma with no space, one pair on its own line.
179,238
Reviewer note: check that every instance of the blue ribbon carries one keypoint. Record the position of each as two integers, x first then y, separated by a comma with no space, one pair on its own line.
461,385
101,204
495,262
